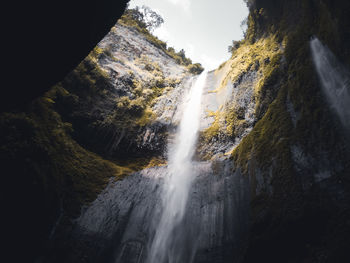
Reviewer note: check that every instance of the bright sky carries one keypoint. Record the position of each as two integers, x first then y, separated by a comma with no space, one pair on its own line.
203,28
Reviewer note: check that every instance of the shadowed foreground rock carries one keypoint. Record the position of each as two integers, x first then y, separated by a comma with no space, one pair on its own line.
44,40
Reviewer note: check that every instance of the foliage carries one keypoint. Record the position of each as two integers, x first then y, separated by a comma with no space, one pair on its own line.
250,3
58,167
136,18
268,148
145,17
235,45
151,18
260,62
195,68
290,112
300,87
120,111
44,139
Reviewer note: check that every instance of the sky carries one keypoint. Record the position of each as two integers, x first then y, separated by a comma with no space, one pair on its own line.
203,28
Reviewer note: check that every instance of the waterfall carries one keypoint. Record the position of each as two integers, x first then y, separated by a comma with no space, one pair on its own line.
180,174
334,79
186,212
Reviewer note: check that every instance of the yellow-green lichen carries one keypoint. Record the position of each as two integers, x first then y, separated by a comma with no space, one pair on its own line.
259,55
41,141
262,57
269,139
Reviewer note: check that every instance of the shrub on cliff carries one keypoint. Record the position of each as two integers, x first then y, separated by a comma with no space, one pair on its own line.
145,21
195,68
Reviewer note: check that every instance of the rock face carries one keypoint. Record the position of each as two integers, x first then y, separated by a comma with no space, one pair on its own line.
131,110
128,50
237,97
299,185
272,157
122,219
116,108
264,110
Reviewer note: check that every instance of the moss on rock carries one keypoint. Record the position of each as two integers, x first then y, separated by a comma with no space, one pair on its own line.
291,215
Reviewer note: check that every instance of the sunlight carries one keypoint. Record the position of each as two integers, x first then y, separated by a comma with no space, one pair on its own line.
203,29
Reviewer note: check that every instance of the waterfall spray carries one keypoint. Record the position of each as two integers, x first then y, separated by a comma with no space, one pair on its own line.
180,174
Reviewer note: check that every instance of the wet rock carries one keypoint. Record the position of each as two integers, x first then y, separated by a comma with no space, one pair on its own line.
125,215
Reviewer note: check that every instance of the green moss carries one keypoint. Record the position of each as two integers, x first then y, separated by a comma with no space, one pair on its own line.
96,52
248,55
147,117
268,144
151,66
40,141
108,53
290,80
213,131
139,164
42,138
131,112
269,139
234,121
263,57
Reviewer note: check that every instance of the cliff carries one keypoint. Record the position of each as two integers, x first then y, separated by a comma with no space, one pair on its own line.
272,157
295,149
108,117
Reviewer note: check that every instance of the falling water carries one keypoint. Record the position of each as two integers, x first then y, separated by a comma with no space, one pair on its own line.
180,174
334,78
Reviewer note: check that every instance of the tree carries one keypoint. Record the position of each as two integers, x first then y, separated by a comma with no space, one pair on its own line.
171,50
151,19
145,17
235,45
244,26
250,3
182,54
136,15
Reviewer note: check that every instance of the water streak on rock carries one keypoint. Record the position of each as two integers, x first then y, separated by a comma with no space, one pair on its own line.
335,80
179,177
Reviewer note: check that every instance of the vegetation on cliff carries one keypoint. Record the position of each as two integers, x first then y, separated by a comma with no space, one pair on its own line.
52,174
263,58
135,18
295,138
61,152
84,131
295,217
